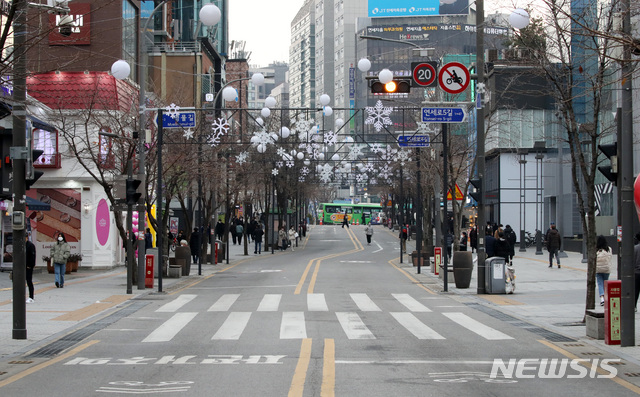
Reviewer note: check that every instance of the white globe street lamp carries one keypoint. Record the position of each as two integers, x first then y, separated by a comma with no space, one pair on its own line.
325,99
210,14
270,102
519,18
265,112
385,76
257,78
120,69
229,94
328,111
284,132
364,65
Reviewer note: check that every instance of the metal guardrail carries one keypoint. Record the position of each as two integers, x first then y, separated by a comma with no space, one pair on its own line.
176,46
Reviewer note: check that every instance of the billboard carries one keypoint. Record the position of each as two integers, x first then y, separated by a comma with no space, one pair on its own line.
412,8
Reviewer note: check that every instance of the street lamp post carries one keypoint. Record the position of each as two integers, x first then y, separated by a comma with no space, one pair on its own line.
480,150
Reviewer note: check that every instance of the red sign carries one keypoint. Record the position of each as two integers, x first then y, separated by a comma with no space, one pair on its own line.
612,298
454,77
424,73
80,27
437,259
148,271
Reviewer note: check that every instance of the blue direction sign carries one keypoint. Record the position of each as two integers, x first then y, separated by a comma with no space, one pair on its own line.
443,115
182,120
414,141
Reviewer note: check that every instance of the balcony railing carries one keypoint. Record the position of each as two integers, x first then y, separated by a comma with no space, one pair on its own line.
176,46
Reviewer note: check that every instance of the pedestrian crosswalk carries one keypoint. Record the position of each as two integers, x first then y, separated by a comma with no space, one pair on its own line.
357,322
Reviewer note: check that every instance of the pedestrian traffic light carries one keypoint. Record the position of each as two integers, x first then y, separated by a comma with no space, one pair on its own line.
31,175
477,185
132,191
395,86
610,171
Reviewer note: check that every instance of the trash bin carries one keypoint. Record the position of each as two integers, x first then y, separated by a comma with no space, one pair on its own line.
495,282
462,268
222,250
184,254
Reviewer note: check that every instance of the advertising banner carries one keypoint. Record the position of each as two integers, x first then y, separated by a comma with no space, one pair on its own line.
409,8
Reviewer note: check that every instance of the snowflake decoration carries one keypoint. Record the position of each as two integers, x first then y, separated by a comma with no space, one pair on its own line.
262,138
403,156
389,154
242,157
304,171
378,116
423,127
220,125
301,124
369,167
361,177
281,152
274,172
355,152
188,133
385,172
172,110
279,164
290,163
373,181
325,175
301,178
377,148
330,138
214,138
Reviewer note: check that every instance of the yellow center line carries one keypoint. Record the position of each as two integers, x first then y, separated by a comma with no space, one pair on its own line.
588,365
410,277
43,365
329,369
300,374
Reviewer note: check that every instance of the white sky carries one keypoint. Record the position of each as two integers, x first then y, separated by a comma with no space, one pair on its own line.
265,25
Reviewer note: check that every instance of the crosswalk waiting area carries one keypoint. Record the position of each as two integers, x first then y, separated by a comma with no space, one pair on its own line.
293,323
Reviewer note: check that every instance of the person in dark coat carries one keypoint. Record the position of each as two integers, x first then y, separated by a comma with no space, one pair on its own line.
510,236
219,230
473,238
489,243
554,243
463,241
30,250
502,250
257,239
148,239
194,243
345,220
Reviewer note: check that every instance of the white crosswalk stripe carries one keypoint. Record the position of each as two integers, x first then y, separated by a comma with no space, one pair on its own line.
411,303
170,328
224,303
270,303
353,326
365,303
176,304
477,327
233,326
317,303
415,326
293,326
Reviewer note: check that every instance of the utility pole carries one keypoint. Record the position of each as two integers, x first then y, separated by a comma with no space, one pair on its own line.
480,155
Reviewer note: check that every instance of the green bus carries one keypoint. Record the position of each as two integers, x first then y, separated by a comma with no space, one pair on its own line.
333,213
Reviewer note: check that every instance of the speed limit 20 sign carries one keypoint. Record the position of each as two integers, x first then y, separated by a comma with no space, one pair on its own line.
425,74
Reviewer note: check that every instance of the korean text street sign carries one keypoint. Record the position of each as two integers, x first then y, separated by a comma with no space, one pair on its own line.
414,141
182,120
443,115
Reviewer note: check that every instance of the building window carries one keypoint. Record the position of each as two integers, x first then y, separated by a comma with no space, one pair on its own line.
47,141
106,157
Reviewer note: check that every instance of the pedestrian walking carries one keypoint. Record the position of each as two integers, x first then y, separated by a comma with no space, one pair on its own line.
148,239
463,241
496,233
554,243
368,231
403,235
345,220
239,231
603,265
194,243
489,243
30,250
219,230
473,238
510,236
257,239
59,254
292,237
282,239
502,248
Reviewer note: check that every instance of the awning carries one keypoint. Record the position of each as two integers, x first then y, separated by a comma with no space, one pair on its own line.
37,205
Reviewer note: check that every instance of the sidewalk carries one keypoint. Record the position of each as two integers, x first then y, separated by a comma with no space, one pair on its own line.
86,296
551,298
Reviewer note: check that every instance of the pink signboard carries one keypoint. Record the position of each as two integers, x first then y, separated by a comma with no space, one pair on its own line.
102,222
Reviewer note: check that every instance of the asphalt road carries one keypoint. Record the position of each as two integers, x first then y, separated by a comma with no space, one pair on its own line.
335,317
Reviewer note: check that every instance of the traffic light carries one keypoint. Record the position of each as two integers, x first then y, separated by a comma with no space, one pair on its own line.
610,171
31,175
477,185
395,86
132,191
